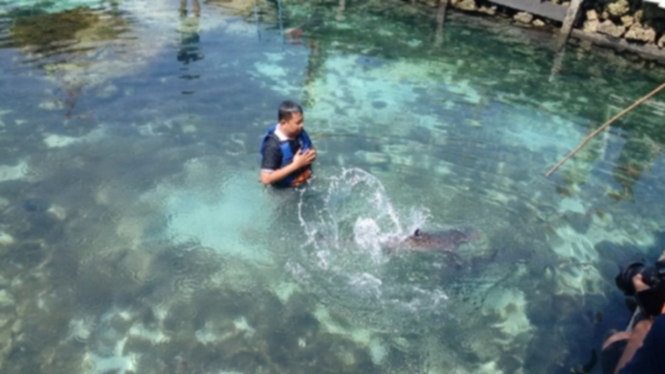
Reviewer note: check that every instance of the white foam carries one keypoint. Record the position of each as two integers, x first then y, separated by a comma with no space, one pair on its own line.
366,284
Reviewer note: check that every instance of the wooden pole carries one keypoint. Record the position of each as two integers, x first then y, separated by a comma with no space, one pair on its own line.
601,128
557,65
440,17
568,22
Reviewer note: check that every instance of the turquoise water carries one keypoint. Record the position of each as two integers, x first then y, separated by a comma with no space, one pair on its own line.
135,236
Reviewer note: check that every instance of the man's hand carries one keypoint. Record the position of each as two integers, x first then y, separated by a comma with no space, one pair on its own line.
302,159
639,284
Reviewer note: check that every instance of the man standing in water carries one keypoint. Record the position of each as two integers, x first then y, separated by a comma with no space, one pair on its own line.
286,150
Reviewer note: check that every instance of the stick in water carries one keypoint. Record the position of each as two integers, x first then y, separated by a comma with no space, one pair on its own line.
601,128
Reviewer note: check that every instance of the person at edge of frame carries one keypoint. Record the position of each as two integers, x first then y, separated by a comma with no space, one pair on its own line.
286,150
642,350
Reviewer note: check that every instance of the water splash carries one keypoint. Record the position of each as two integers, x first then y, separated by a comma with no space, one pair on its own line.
354,214
348,226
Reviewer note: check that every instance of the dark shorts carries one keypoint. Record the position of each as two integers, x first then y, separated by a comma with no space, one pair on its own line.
611,355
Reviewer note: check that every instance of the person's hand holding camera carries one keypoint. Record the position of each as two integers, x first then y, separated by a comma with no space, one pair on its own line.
650,299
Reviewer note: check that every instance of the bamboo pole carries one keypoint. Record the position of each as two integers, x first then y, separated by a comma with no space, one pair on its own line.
601,128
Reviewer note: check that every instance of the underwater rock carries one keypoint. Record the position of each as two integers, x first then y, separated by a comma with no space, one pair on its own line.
641,33
7,308
379,104
6,239
8,173
538,22
609,28
6,300
510,306
523,17
108,91
578,221
374,158
36,205
59,141
57,212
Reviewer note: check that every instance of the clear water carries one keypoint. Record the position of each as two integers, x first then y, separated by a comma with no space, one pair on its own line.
135,236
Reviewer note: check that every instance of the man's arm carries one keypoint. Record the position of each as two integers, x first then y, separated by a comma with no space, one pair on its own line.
299,160
279,174
634,343
652,346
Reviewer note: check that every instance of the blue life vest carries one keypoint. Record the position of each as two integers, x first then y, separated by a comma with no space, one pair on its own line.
287,155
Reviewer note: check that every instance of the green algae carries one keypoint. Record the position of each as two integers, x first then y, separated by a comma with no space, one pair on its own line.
52,32
19,8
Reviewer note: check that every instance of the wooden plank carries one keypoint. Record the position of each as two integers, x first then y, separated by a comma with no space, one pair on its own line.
571,16
545,9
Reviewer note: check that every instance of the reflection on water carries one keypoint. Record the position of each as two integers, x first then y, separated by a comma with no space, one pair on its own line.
189,50
136,237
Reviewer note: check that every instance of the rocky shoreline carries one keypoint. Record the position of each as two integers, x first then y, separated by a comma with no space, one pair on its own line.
637,27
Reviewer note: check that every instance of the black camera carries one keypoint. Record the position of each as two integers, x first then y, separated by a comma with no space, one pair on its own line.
651,276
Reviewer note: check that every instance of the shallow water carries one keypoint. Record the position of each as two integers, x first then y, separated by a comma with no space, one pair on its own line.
135,236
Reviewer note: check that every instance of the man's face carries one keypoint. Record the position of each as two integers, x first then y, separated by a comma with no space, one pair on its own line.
293,126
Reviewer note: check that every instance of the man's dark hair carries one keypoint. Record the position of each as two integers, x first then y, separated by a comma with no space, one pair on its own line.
286,110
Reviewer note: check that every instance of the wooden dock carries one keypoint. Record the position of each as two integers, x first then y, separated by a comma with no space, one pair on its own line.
544,9
549,10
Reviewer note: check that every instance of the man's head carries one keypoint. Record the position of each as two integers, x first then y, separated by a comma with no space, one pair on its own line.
291,118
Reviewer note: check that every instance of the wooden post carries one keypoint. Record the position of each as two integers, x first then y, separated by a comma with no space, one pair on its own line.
568,22
557,64
440,17
340,10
